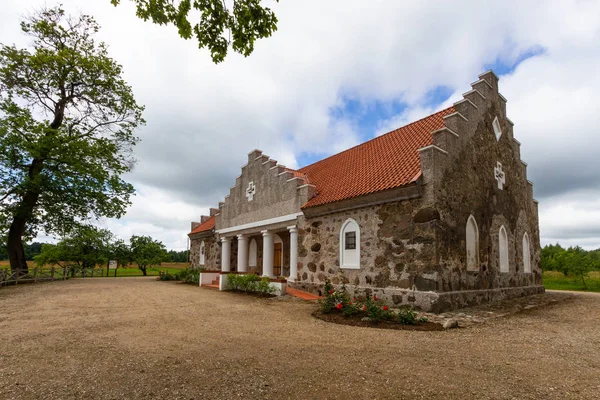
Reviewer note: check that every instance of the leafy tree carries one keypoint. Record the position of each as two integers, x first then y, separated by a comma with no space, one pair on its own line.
67,119
32,250
146,252
219,26
178,256
120,251
86,247
551,258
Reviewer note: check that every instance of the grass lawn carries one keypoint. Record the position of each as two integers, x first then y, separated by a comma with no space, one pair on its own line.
555,280
133,270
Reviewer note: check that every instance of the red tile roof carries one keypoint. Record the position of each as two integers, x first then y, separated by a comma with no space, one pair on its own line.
385,162
206,226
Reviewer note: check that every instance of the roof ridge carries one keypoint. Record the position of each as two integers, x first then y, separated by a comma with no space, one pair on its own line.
375,138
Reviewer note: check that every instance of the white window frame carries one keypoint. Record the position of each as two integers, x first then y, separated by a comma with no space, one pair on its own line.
526,254
472,220
503,254
497,128
202,253
345,254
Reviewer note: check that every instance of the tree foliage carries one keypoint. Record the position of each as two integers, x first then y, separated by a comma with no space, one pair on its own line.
573,261
218,27
85,247
146,251
67,119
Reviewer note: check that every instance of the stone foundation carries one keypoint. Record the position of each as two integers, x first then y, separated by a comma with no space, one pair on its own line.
432,301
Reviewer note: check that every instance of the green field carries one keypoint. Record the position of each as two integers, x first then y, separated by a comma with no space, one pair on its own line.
554,280
133,270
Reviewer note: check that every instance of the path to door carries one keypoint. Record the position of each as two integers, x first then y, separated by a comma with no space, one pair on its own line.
137,338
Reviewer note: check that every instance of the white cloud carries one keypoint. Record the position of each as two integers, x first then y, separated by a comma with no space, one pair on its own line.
203,118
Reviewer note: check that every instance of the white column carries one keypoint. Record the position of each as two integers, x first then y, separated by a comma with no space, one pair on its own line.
242,255
293,253
268,253
225,254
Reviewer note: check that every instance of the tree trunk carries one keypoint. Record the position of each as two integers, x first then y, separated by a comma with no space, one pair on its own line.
16,252
143,271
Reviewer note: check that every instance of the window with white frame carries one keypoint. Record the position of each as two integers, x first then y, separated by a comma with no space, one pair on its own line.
202,253
497,128
472,244
526,254
350,245
503,249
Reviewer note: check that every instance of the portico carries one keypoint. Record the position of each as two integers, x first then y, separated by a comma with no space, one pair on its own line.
276,258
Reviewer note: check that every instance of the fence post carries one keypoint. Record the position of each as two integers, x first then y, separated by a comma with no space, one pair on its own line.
52,274
35,271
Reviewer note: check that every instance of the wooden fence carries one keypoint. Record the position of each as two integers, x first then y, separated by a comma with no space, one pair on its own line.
33,275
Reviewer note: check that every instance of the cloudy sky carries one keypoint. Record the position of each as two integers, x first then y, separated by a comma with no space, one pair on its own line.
337,73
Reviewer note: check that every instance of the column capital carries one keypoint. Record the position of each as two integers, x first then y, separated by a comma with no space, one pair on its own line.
225,239
292,228
266,233
242,236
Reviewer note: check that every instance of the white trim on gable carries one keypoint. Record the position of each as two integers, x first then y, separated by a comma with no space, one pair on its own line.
256,224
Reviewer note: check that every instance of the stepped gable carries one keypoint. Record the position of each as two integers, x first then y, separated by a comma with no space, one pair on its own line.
385,162
205,226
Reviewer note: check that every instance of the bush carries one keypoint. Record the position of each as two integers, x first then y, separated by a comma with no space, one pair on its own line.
338,300
191,276
167,276
407,316
249,283
372,307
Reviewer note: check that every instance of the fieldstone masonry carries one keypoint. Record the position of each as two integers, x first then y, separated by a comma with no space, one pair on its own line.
412,241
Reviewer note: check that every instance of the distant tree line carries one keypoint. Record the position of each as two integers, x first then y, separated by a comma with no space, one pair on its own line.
89,246
572,261
31,250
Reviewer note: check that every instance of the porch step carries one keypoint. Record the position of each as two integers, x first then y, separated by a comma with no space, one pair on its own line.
212,286
300,294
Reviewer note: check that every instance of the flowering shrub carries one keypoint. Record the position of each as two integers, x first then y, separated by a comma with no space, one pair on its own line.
371,307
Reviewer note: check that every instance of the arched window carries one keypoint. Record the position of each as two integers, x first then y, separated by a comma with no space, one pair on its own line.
202,253
350,245
503,249
526,254
252,253
472,245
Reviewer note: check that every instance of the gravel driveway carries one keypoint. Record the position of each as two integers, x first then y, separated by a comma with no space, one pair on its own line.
137,338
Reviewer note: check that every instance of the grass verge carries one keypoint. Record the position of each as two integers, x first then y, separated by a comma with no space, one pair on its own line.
554,280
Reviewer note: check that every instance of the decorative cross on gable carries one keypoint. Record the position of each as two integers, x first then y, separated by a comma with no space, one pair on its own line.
499,175
251,191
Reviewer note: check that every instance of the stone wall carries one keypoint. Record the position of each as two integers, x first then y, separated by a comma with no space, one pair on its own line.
414,251
212,249
277,192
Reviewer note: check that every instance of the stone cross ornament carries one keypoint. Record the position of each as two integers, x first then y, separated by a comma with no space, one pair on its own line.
499,175
251,191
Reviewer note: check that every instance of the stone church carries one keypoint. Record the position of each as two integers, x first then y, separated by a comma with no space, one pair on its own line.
437,214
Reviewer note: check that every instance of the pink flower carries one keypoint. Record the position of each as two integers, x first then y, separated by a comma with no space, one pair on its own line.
375,298
385,308
339,306
354,299
364,308
331,291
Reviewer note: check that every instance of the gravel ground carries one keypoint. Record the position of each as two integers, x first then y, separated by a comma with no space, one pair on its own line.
136,338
